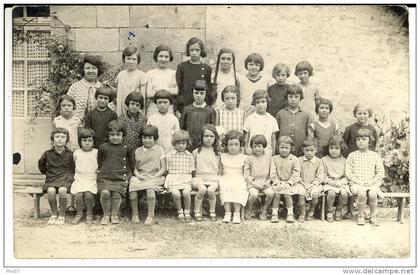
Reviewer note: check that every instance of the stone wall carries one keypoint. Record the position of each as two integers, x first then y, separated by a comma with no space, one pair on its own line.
104,30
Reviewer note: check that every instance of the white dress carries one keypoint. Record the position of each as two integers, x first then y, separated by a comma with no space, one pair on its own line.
85,173
158,79
127,82
72,126
167,125
232,183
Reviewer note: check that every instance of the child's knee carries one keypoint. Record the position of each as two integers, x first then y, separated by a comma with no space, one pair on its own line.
105,194
62,192
253,194
186,193
133,195
361,197
269,193
51,191
331,194
150,193
202,189
373,195
88,195
344,194
116,196
176,194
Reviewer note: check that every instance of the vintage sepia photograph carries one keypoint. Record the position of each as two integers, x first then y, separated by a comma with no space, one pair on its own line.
178,132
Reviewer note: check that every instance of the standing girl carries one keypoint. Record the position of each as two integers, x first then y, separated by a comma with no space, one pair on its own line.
58,166
206,180
233,189
230,117
188,72
68,120
84,185
115,168
324,127
167,123
160,78
198,114
224,75
148,174
180,164
133,120
335,181
311,94
252,81
131,79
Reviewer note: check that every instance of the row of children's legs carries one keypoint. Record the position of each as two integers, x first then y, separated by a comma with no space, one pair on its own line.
111,203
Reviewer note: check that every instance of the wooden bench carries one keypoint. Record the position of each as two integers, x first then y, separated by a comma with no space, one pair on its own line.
32,187
401,199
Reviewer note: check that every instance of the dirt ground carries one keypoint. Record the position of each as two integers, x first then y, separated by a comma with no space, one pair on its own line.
170,239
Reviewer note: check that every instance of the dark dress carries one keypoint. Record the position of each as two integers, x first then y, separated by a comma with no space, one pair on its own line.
115,167
349,137
294,125
193,119
278,98
134,129
98,122
58,168
186,76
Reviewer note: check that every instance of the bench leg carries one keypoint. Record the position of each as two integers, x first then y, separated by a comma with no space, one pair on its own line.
37,198
400,216
323,208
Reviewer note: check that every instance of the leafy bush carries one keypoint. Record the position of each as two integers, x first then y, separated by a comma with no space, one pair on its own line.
66,69
393,146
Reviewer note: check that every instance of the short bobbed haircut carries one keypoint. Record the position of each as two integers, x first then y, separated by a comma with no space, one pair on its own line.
233,134
116,126
200,85
150,131
130,50
279,67
163,48
285,140
162,94
364,132
324,101
179,136
232,89
256,58
66,97
106,91
304,66
336,140
93,60
194,40
258,139
294,89
308,142
85,133
362,107
60,130
136,97
258,94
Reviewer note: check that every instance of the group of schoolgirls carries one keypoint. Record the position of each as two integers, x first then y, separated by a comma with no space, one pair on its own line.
191,129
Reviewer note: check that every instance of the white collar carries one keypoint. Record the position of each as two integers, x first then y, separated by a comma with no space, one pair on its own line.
199,106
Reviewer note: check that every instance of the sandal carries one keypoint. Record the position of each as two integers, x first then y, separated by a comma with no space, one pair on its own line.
52,220
213,217
197,217
60,221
